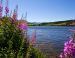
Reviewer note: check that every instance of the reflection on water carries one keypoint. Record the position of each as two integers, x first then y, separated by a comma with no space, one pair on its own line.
55,36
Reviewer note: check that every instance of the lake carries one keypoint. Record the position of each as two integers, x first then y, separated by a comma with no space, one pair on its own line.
55,35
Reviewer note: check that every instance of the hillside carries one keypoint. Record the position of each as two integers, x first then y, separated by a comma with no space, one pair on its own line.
58,23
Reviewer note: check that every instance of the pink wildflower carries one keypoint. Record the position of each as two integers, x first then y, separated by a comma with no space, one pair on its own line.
6,8
61,55
23,26
1,8
33,39
71,40
66,44
14,16
69,48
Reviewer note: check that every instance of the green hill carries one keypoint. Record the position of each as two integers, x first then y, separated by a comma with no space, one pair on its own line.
58,23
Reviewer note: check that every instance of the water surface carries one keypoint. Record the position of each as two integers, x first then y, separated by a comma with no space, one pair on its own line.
56,35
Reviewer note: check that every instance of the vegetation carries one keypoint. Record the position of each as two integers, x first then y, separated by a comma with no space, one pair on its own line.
13,43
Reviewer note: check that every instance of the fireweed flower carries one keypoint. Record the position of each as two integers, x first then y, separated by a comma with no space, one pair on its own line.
71,40
14,18
33,39
23,26
1,9
69,49
61,55
6,8
15,14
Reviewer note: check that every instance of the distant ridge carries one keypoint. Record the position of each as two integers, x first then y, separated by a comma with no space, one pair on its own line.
58,23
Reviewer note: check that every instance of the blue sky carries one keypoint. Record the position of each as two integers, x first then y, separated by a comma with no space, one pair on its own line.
44,10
